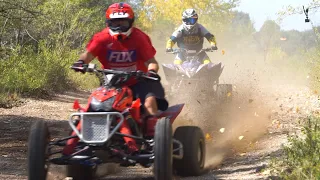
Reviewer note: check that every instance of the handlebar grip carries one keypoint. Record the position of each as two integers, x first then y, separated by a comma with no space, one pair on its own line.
151,78
77,68
207,49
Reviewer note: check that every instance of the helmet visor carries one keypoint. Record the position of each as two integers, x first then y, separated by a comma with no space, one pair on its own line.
190,21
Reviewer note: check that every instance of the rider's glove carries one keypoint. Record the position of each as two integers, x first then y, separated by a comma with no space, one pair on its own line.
153,73
79,63
214,47
169,50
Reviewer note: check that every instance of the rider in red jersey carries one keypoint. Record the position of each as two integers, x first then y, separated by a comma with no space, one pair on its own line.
121,46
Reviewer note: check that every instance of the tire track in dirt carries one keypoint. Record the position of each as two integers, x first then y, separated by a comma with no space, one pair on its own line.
240,159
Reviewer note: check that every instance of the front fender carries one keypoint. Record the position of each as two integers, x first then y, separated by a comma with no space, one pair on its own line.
210,70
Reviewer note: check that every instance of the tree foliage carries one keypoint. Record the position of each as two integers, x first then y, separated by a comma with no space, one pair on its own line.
268,36
167,15
305,10
290,10
48,35
310,39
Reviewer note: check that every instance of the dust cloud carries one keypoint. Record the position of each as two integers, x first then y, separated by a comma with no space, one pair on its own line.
234,127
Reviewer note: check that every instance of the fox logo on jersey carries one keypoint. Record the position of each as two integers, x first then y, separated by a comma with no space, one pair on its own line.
122,56
191,39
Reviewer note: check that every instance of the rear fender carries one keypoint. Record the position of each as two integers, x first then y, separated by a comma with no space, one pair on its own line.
172,112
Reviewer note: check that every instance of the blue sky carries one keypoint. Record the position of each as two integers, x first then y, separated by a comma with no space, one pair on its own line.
261,10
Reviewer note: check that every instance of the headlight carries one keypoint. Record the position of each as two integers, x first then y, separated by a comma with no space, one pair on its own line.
106,105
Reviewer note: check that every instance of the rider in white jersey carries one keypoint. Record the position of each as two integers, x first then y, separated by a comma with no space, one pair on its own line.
190,36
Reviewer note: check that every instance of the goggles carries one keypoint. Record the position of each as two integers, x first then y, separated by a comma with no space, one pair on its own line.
190,21
120,24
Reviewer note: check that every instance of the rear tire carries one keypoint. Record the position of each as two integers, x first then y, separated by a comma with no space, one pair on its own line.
163,150
194,151
39,138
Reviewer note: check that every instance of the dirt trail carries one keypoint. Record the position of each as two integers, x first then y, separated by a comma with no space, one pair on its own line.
241,136
228,157
15,124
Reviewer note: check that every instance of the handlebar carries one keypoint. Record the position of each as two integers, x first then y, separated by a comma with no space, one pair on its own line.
137,74
179,50
93,68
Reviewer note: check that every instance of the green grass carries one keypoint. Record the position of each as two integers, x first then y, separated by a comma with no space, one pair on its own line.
301,158
8,100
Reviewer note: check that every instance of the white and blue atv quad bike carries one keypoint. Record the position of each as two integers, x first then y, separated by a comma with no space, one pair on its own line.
194,78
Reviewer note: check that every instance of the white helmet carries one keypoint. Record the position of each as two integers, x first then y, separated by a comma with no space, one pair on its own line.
189,19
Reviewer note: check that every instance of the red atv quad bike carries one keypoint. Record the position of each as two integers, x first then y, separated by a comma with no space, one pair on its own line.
99,133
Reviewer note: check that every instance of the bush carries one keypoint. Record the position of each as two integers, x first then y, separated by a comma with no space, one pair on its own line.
314,59
301,158
31,72
8,100
38,73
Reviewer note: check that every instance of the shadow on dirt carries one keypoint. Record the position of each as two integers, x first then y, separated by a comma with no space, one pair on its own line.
14,144
14,140
129,177
70,96
243,164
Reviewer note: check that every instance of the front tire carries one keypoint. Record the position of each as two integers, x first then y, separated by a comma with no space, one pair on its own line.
163,150
39,138
194,151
